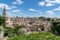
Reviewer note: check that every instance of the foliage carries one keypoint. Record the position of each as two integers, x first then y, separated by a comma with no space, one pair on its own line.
2,20
41,36
22,31
35,36
9,32
19,37
57,37
48,19
56,28
17,28
42,17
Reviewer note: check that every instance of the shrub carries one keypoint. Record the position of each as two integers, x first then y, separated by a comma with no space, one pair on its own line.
35,36
9,32
41,36
22,31
17,28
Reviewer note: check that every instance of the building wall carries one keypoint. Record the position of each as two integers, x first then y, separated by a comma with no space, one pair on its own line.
26,21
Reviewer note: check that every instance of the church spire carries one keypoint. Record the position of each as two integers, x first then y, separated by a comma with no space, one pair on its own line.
4,12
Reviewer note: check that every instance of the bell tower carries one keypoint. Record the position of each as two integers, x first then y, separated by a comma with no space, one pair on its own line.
4,12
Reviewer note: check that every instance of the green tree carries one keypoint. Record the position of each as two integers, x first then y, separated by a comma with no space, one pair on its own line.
9,32
2,20
17,28
56,28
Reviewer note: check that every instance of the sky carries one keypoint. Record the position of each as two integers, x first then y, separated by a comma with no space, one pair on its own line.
31,8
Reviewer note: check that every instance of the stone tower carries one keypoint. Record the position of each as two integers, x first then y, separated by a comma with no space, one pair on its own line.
4,12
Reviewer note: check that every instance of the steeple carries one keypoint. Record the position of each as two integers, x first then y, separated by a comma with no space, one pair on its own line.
4,12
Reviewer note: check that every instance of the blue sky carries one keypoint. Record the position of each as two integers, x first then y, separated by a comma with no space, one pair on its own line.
31,8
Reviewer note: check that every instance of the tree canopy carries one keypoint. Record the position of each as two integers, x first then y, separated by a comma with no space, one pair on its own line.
2,20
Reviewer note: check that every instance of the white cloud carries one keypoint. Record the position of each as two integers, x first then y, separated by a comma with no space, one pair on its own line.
7,6
2,5
13,13
14,2
53,1
57,8
41,3
8,12
49,4
50,1
16,11
31,9
34,10
18,2
50,13
13,7
58,1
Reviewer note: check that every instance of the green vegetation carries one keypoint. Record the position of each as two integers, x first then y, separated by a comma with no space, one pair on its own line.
17,28
35,36
56,28
10,32
2,20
